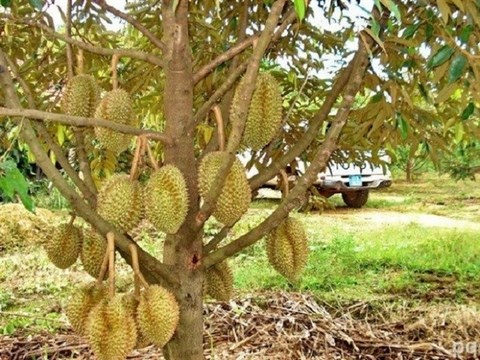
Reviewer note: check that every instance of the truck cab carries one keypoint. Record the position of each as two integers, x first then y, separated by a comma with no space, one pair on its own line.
353,180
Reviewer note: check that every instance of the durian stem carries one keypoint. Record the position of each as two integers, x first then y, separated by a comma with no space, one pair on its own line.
136,269
72,218
150,156
115,60
285,184
80,62
220,127
104,267
68,32
136,158
111,264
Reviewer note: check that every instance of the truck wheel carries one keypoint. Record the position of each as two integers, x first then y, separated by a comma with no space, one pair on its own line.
355,199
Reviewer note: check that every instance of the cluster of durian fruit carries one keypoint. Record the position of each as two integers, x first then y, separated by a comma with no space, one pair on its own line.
163,201
113,324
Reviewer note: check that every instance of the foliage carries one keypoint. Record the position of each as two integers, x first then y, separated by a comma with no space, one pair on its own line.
13,183
404,72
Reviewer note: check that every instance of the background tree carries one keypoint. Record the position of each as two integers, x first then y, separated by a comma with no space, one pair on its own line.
180,59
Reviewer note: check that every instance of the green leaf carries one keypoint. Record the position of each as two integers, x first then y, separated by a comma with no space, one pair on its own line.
393,8
375,27
410,31
465,33
37,4
12,182
456,68
441,56
300,8
428,32
468,111
6,3
403,126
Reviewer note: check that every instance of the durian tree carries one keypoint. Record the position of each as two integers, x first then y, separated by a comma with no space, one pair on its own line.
147,123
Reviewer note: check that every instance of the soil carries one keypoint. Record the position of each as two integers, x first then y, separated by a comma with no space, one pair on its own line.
372,218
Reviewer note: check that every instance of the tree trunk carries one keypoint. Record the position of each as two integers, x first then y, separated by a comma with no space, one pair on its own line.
183,250
409,170
187,343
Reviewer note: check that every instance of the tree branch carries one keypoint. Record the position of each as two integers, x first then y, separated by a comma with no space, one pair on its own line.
232,52
320,160
134,54
158,272
57,150
84,121
241,112
132,21
300,146
68,32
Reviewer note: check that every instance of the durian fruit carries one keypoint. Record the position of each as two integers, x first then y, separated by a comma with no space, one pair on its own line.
93,252
219,281
287,248
157,314
236,195
111,329
81,96
119,202
131,304
81,303
265,112
166,199
116,106
63,246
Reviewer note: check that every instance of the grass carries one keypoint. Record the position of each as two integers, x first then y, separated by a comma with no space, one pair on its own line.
382,254
357,266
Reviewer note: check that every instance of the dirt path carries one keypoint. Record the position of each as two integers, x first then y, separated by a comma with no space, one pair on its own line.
385,217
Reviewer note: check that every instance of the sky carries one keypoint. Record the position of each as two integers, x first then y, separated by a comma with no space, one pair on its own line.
358,13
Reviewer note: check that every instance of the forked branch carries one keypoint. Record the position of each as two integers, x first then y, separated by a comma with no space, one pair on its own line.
84,121
321,158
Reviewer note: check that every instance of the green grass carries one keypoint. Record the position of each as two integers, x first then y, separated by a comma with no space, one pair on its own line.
355,266
356,256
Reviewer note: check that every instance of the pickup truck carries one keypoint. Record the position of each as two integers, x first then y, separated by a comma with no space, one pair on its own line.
349,179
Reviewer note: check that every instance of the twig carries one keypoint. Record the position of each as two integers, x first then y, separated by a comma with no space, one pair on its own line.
286,189
84,121
131,53
222,234
115,60
104,267
136,158
151,157
132,21
111,264
136,267
68,32
232,52
220,127
80,62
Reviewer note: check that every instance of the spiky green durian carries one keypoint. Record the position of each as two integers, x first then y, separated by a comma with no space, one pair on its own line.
116,106
157,314
111,329
131,304
81,303
287,248
166,199
219,281
265,112
93,251
236,195
120,202
63,246
81,96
